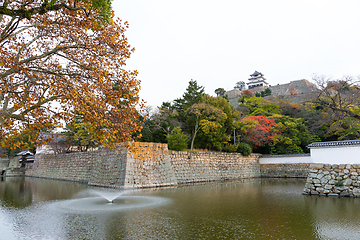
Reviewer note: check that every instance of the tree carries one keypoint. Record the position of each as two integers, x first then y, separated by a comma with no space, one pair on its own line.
245,94
256,131
64,60
205,116
78,133
266,92
28,8
220,92
194,94
291,136
159,124
214,132
240,85
342,98
177,140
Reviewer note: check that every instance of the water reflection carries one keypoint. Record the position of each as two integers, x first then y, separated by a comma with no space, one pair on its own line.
246,209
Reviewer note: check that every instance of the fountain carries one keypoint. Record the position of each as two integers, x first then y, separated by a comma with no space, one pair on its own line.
109,195
100,201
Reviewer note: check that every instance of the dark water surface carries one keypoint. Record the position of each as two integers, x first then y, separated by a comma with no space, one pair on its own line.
248,209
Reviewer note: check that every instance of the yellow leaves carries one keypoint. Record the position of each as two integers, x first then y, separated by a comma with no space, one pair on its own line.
1,64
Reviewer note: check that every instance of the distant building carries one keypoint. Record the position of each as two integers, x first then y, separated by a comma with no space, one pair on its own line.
256,80
297,91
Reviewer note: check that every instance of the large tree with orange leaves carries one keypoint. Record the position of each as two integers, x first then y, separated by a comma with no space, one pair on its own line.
63,63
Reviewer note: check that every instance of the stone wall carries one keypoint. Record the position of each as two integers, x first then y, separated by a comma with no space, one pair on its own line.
333,180
143,165
284,170
148,165
211,166
303,90
73,166
4,162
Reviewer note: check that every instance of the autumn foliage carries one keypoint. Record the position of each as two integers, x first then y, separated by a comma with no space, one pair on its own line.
258,130
62,64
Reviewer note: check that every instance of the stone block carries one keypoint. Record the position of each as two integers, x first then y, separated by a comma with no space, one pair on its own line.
320,175
327,166
316,166
328,186
312,175
327,177
324,181
347,182
356,191
356,166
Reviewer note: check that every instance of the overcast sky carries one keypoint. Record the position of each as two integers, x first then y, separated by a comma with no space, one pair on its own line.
221,42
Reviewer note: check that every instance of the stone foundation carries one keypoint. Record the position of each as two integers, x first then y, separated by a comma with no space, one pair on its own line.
333,180
284,170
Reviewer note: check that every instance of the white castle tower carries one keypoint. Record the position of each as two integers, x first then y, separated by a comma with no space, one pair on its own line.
257,80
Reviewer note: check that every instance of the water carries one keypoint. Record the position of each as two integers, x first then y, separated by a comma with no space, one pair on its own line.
249,209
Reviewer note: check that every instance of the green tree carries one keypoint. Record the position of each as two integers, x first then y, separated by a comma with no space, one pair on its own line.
80,134
159,124
177,140
291,136
240,85
193,95
205,117
220,92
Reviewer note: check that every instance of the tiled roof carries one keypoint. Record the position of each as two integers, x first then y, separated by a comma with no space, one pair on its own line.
256,73
334,143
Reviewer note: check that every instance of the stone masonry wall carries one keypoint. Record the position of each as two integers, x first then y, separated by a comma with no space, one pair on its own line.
143,165
210,166
108,167
333,180
148,165
73,166
285,170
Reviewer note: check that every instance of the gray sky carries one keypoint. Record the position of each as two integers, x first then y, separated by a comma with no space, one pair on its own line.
221,42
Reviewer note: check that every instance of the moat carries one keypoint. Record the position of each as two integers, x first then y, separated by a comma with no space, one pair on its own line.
34,208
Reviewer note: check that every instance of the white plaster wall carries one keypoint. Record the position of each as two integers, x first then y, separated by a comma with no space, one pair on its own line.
336,155
285,159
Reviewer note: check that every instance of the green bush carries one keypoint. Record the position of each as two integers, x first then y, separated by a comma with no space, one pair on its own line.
245,149
177,140
230,148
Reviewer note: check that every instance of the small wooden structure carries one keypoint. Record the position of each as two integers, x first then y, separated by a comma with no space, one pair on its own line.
25,157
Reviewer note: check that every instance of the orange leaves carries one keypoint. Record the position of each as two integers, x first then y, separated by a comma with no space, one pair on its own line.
72,63
257,130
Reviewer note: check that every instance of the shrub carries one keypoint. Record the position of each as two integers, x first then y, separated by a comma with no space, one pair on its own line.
177,140
244,148
230,148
